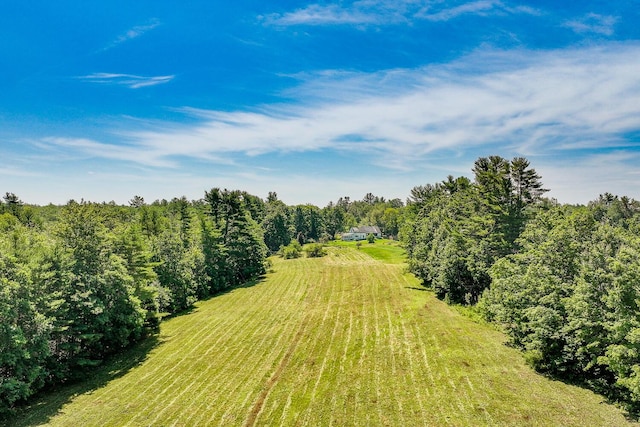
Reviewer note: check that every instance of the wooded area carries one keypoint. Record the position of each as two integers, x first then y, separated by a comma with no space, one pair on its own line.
83,281
562,281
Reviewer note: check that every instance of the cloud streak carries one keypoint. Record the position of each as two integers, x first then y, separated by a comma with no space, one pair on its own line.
381,12
479,8
323,15
560,100
129,80
593,23
543,105
90,148
133,33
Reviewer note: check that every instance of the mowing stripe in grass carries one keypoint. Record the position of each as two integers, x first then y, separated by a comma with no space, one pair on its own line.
345,340
257,407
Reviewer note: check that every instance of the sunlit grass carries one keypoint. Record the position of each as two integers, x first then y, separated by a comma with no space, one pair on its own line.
342,340
384,250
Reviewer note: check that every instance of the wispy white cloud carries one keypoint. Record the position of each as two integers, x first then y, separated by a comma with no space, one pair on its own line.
593,23
129,80
133,32
75,150
90,148
384,12
544,105
144,153
316,14
479,8
526,101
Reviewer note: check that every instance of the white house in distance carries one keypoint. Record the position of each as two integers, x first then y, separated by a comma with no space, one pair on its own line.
361,233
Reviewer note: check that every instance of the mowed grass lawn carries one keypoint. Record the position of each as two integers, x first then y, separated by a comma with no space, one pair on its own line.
343,340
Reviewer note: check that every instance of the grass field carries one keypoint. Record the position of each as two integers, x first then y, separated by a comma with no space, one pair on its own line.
387,251
347,339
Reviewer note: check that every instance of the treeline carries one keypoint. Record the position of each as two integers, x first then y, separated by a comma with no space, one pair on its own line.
309,223
83,281
456,229
570,297
563,281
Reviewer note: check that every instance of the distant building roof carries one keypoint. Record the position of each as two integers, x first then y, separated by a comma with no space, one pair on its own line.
367,229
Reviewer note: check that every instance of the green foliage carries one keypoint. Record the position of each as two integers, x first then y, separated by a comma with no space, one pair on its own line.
97,311
342,340
82,282
562,281
12,205
136,253
8,222
175,269
314,250
24,336
388,215
457,229
449,247
371,238
214,256
508,188
307,223
276,226
151,221
333,219
246,251
243,240
570,299
615,210
292,250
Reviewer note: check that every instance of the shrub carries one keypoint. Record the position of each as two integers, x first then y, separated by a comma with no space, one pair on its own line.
292,250
326,237
314,250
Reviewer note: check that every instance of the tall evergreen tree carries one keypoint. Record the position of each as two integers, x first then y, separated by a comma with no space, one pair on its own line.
246,249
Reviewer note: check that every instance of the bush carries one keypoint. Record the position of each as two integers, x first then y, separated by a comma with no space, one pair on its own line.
292,250
326,237
314,250
371,238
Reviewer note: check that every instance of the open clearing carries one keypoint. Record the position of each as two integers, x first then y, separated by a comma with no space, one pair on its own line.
341,340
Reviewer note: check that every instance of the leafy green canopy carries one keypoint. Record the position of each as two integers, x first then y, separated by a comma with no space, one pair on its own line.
571,298
84,281
459,228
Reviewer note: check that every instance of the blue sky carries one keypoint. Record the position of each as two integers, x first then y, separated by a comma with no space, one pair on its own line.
317,100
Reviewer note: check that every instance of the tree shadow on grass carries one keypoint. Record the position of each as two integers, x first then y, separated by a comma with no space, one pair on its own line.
218,293
41,408
248,284
615,397
47,404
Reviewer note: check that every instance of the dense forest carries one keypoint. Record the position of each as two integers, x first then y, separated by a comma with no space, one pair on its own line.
562,281
82,281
